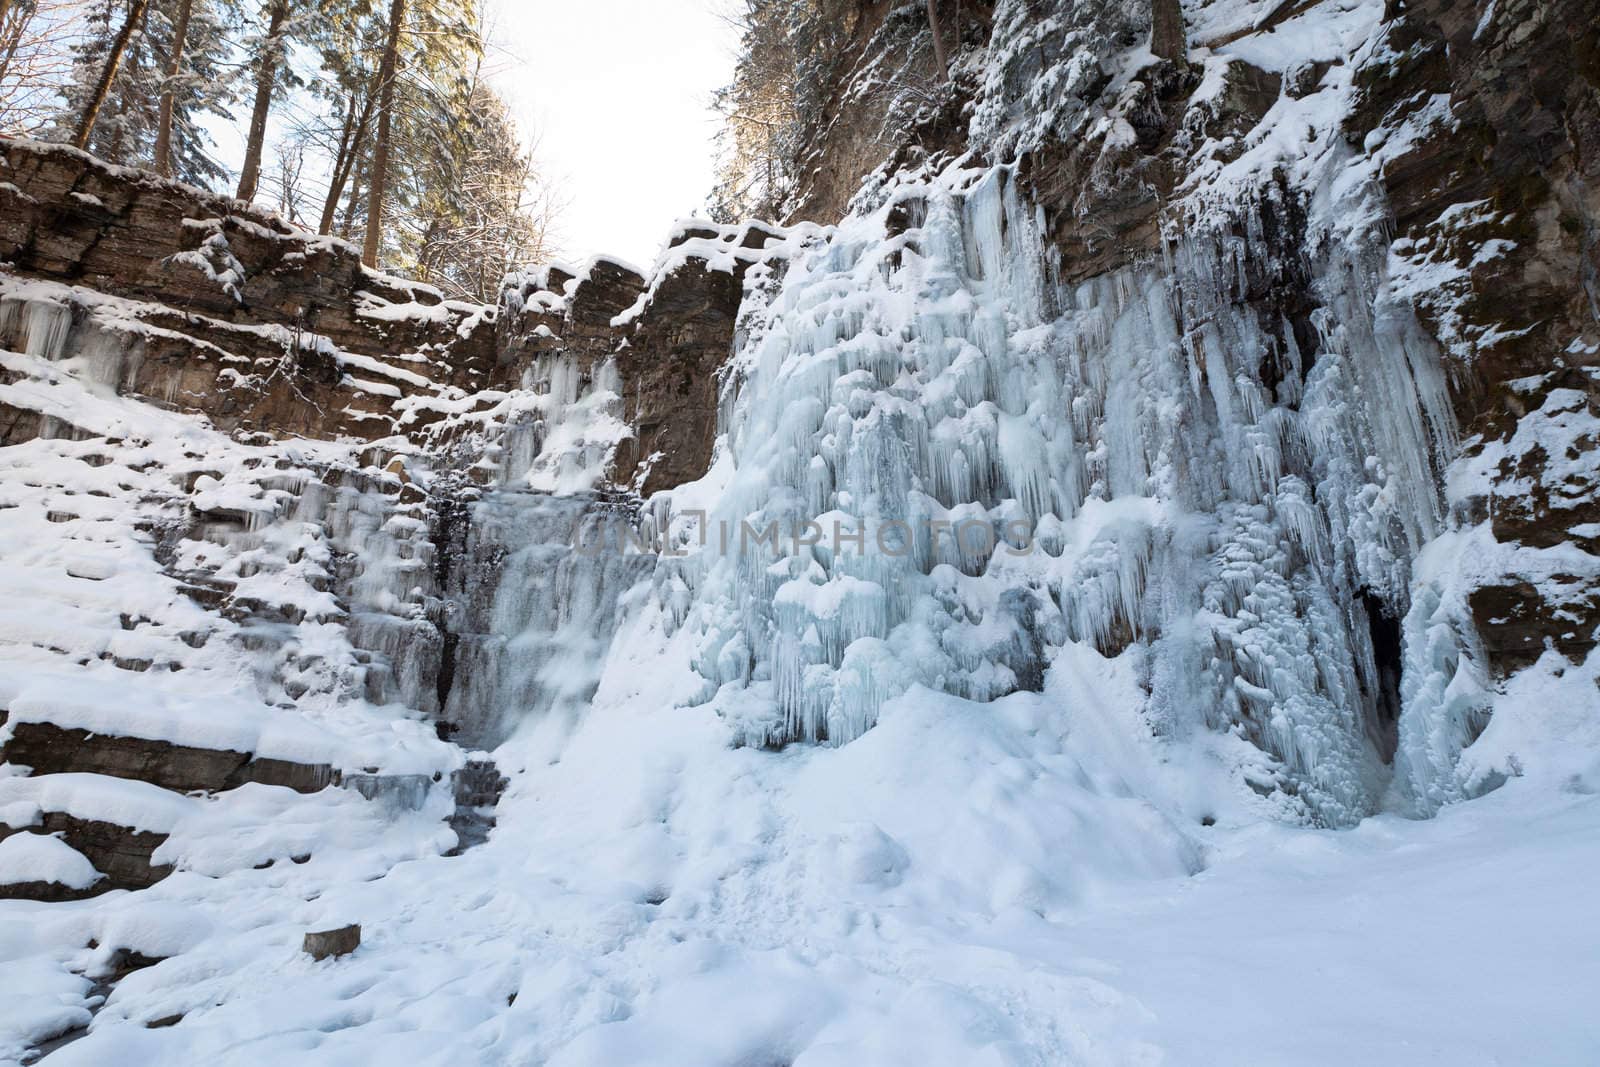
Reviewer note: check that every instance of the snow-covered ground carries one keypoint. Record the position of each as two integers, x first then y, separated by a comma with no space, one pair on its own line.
1024,882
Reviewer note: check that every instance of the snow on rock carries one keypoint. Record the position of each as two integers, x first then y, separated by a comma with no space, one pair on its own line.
177,585
44,858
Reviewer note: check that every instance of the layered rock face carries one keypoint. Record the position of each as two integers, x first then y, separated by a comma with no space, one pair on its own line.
217,308
221,309
666,337
1494,123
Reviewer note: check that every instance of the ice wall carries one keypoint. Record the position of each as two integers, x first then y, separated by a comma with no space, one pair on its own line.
968,464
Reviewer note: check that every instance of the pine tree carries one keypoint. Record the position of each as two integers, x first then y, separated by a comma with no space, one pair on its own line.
338,35
479,211
424,88
152,68
108,72
349,42
387,71
425,166
169,90
938,40
762,106
201,80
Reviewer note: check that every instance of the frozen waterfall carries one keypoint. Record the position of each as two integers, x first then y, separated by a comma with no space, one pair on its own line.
946,464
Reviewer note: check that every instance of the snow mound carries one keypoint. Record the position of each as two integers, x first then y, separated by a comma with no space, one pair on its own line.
26,857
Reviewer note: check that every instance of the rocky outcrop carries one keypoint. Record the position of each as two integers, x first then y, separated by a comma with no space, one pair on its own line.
1483,128
1493,179
668,336
70,217
477,786
218,308
224,309
563,309
122,854
17,425
674,354
46,748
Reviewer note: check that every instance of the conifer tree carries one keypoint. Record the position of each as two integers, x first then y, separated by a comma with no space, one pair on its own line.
348,45
424,164
169,89
108,73
153,69
424,86
478,209
387,71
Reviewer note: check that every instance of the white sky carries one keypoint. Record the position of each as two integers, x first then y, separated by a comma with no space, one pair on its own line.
618,94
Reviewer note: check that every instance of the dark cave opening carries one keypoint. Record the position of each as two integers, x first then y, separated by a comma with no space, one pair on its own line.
1383,629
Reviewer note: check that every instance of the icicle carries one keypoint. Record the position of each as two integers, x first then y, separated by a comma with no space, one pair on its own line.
1444,705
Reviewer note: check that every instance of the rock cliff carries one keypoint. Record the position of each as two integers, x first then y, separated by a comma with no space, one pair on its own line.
1480,125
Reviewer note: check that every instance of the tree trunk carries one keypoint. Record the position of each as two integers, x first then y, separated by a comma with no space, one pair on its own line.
938,41
103,87
180,33
250,174
330,203
352,204
1167,31
377,182
5,9
429,253
351,141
